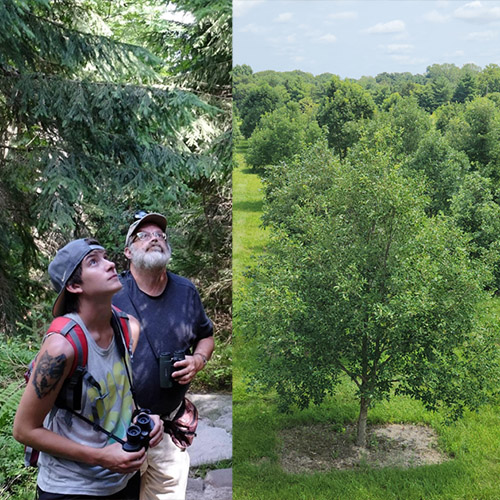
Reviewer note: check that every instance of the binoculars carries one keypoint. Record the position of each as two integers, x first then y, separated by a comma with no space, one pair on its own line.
167,361
138,433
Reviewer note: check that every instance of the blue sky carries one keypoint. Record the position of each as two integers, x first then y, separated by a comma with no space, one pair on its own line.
352,38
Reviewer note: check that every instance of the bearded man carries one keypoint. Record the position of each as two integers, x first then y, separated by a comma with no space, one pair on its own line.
172,320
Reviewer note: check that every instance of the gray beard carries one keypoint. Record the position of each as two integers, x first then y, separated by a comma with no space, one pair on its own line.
152,260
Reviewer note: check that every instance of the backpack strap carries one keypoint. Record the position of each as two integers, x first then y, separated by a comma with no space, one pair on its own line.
121,324
71,393
73,332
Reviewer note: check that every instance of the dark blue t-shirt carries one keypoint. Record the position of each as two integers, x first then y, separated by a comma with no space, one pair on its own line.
173,321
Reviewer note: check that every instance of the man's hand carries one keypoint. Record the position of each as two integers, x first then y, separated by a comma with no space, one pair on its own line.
187,369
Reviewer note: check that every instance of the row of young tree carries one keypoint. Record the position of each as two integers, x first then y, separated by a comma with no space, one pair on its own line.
385,235
455,146
107,108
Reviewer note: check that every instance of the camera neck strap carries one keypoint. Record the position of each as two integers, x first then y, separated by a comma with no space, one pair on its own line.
120,339
96,426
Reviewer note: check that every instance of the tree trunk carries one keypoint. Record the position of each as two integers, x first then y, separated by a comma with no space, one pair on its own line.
363,413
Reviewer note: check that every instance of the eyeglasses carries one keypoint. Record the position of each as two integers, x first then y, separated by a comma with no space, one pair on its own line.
144,236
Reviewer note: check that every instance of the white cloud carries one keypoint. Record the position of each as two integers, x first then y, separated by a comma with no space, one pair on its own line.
436,17
395,26
253,28
344,15
328,38
399,48
284,44
446,56
241,7
482,36
477,12
408,60
284,17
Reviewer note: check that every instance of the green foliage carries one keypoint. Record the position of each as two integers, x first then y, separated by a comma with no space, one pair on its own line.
489,79
217,375
474,209
444,169
16,481
43,37
411,120
358,280
445,114
476,132
258,101
440,93
466,88
447,72
96,122
198,48
344,105
280,135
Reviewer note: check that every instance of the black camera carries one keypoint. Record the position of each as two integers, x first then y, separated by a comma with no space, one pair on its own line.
167,361
138,433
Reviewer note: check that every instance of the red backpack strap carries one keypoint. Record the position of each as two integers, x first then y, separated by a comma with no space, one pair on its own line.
73,332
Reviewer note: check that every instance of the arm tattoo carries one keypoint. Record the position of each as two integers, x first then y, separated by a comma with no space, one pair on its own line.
48,372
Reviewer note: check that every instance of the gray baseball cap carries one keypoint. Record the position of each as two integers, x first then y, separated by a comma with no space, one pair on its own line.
62,267
155,218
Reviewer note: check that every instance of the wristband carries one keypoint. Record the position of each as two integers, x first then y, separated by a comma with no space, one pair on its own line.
203,357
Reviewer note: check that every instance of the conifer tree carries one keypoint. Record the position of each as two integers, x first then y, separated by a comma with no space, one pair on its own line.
92,128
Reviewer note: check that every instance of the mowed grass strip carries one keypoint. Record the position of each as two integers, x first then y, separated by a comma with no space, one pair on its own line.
472,443
249,236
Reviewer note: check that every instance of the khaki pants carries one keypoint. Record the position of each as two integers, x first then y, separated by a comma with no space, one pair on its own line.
164,473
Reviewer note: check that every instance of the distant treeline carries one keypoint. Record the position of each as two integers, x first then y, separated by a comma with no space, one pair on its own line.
442,126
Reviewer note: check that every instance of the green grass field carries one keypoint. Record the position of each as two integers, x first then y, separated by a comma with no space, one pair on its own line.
248,240
473,443
250,237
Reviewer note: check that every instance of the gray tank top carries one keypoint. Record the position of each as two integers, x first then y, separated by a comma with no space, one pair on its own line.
114,408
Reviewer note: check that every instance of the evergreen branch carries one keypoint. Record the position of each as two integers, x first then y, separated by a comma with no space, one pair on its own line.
101,38
66,31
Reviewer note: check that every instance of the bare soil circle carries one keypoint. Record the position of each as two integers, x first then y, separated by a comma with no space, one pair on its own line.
317,447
